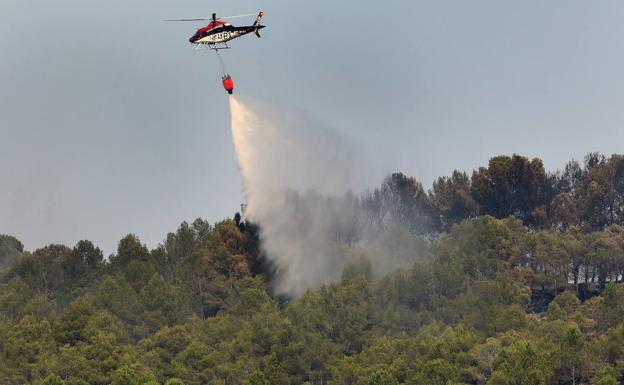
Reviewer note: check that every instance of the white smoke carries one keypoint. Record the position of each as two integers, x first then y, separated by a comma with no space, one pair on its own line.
298,176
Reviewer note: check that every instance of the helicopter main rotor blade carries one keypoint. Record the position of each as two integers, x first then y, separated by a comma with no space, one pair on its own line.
210,18
234,17
196,19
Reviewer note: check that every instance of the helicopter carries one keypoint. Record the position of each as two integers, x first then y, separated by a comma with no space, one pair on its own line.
217,33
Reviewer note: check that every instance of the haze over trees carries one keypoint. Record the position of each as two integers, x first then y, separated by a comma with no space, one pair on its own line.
515,277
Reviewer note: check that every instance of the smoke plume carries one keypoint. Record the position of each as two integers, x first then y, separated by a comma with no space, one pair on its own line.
298,175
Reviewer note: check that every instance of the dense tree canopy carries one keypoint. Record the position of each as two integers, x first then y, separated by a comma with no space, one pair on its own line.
10,247
514,277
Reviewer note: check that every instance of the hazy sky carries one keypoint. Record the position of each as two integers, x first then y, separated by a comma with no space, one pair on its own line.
110,123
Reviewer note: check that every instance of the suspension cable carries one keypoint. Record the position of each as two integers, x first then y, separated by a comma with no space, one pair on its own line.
221,61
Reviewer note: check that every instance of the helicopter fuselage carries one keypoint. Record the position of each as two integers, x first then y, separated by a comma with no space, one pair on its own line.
222,34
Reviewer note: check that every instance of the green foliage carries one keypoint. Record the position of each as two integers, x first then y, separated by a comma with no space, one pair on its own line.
13,297
53,379
554,311
478,298
451,198
10,248
71,327
520,364
567,301
382,377
606,376
360,268
614,303
174,381
125,376
258,378
510,186
401,199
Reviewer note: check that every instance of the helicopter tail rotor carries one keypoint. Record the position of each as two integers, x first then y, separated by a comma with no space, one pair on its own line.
256,23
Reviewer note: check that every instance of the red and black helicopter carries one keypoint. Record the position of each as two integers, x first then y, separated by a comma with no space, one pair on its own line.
217,33
220,32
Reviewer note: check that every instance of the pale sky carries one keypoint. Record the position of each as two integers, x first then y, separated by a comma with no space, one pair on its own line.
111,123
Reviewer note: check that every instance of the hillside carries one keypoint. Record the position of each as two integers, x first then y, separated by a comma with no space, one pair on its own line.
510,275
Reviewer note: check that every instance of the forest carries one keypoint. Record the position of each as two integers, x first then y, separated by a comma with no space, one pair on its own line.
515,278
